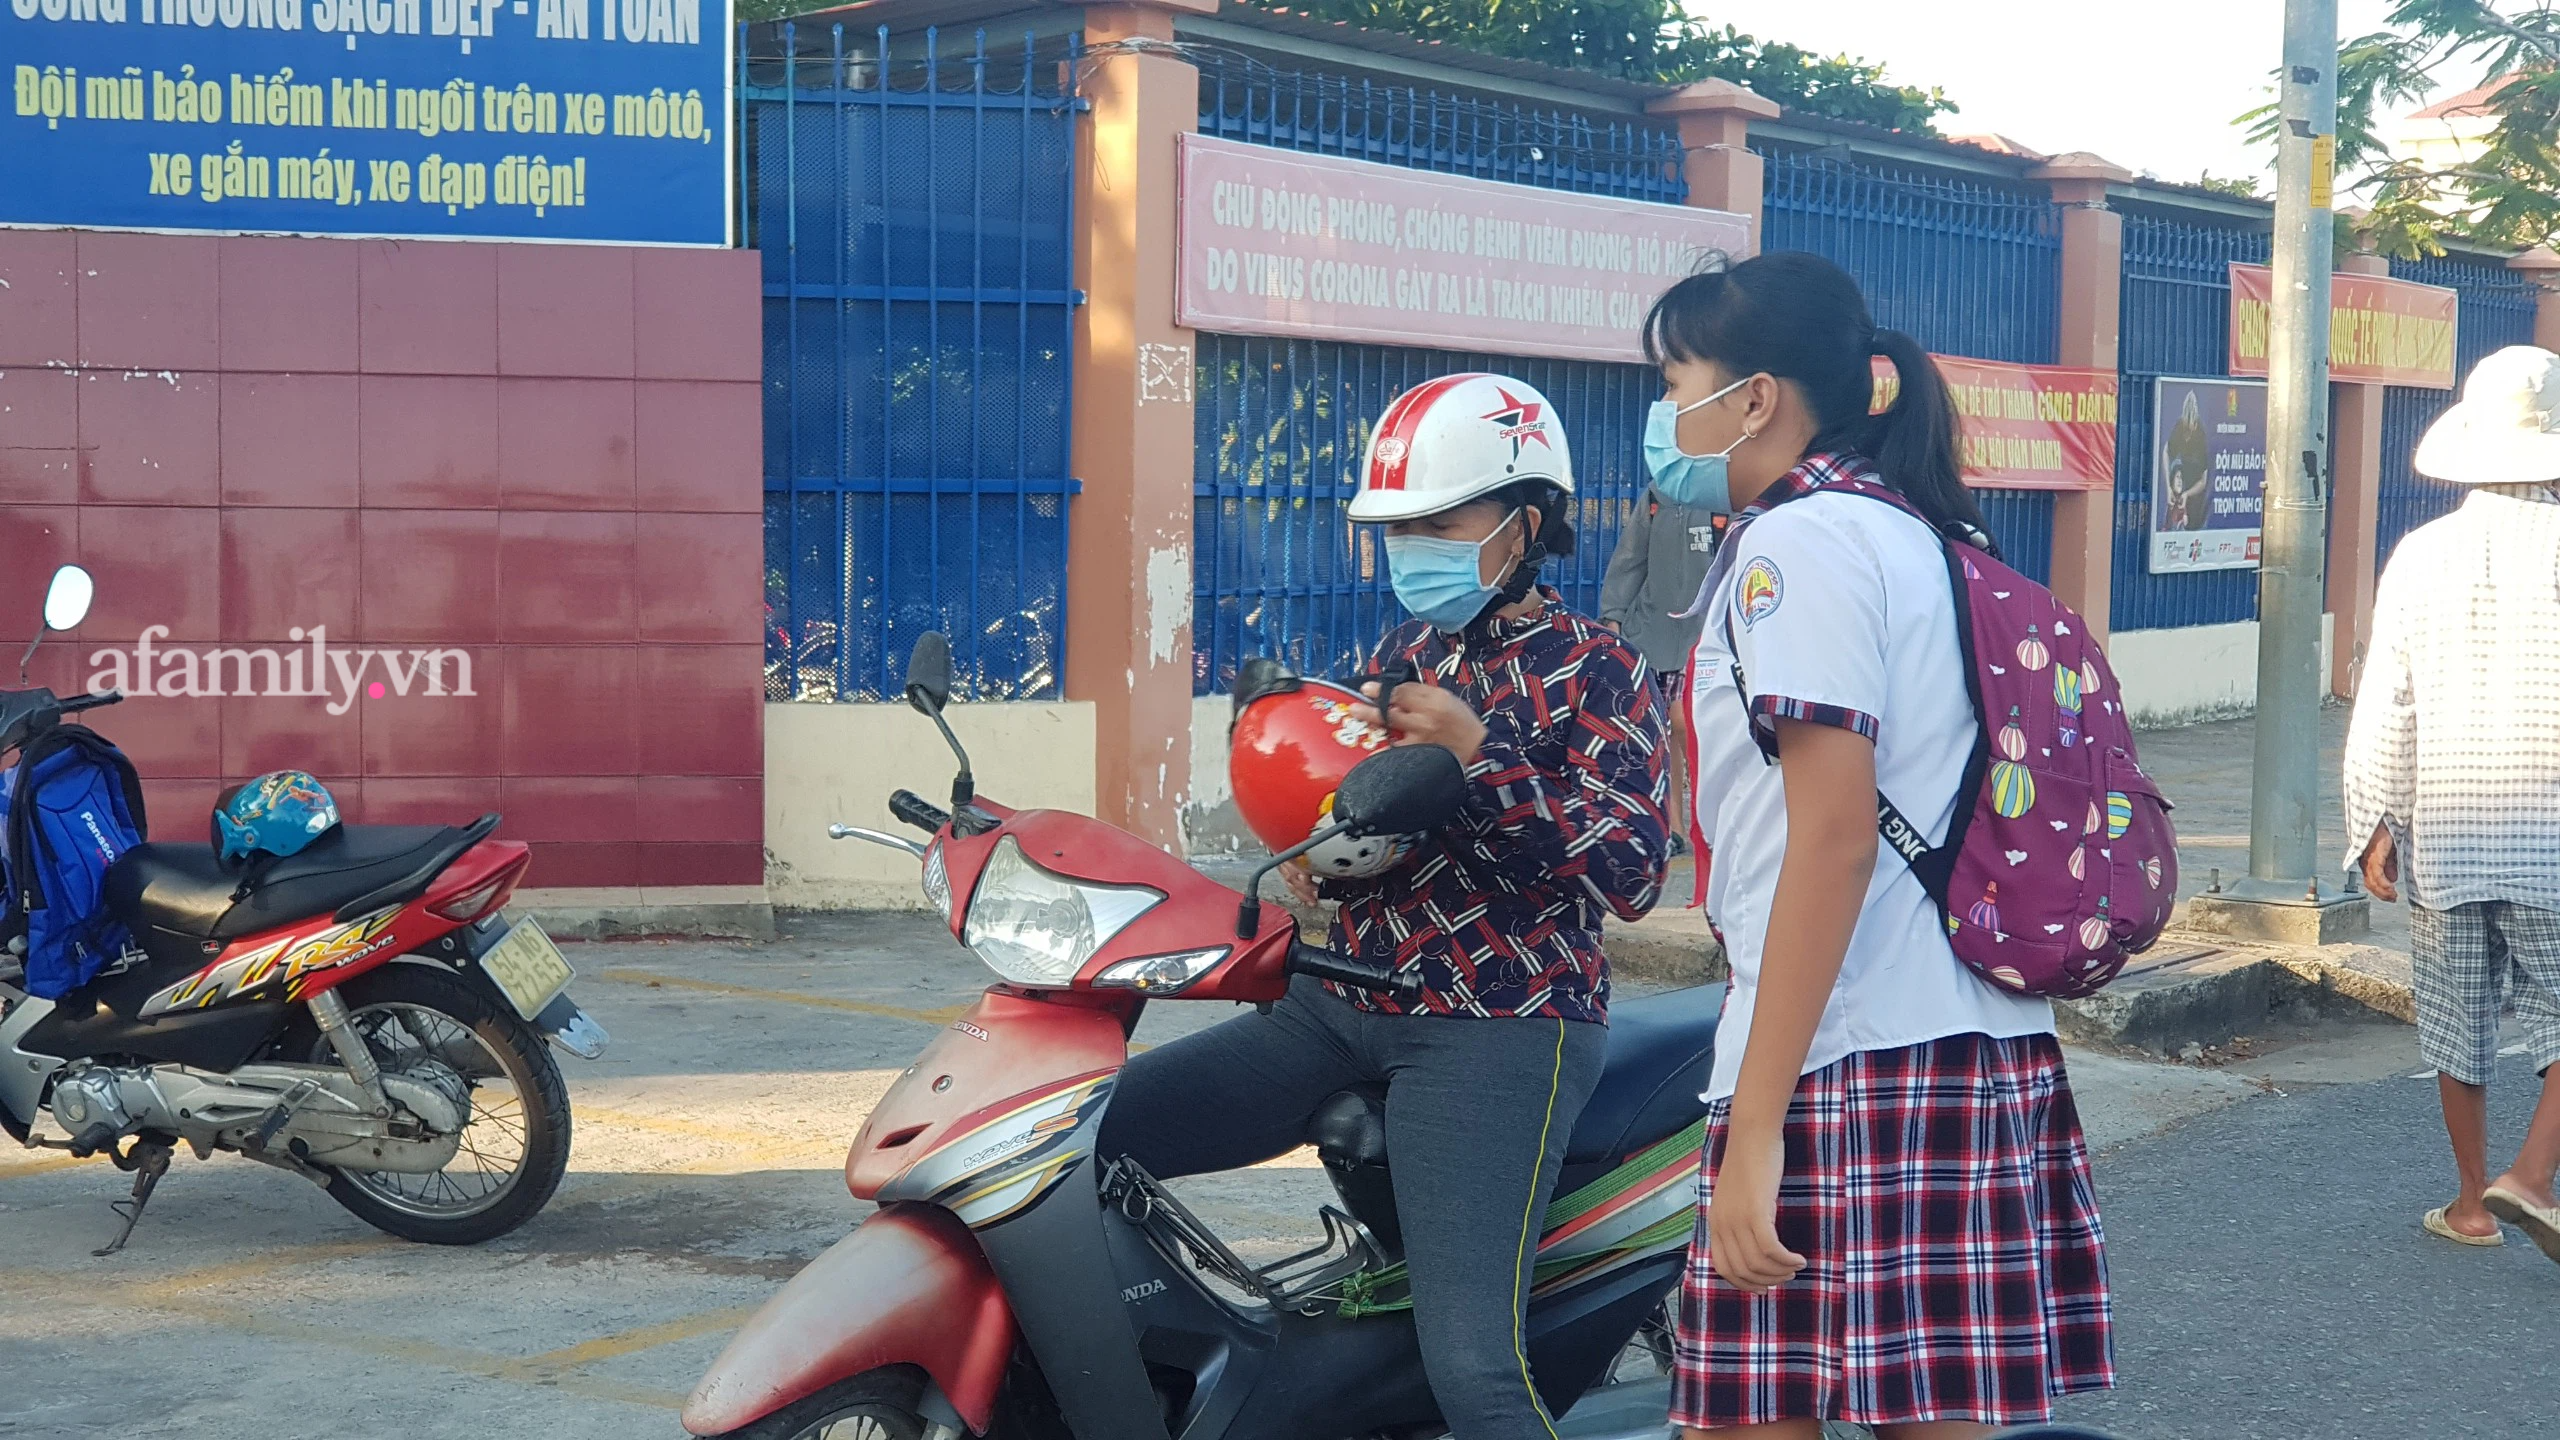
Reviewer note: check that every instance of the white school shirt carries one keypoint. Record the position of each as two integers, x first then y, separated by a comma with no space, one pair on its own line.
1840,609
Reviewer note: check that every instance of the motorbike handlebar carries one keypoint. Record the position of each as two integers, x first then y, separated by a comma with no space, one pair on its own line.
1305,959
91,702
916,810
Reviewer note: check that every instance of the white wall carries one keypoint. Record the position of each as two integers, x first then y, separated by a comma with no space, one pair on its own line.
836,764
2194,672
1209,822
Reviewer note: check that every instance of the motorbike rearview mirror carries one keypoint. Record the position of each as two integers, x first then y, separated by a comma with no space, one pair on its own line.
1402,790
1397,791
66,601
66,604
929,691
929,673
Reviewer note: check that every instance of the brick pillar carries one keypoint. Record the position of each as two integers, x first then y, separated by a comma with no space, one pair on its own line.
2355,510
1129,546
1714,118
2542,267
2084,521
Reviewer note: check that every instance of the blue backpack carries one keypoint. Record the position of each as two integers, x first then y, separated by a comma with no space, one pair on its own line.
74,804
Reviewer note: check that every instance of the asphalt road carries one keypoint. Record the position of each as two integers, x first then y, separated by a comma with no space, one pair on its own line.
2271,1280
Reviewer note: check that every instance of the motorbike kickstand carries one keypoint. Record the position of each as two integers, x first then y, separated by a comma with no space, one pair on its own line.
150,1161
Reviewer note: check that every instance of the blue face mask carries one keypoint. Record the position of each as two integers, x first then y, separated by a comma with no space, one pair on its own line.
1698,481
1442,581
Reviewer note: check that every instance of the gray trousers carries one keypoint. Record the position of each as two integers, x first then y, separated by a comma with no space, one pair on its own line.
1477,1115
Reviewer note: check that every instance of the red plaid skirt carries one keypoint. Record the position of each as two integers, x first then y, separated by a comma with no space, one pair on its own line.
1955,1269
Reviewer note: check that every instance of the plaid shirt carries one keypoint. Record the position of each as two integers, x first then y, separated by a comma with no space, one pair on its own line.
2455,742
1500,913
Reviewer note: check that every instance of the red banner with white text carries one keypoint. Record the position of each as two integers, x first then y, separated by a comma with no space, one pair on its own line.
2026,427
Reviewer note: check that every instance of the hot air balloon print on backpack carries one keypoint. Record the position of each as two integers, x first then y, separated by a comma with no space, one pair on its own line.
2066,700
1986,911
2013,789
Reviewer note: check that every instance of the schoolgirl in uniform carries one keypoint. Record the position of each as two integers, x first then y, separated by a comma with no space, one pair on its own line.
1896,1226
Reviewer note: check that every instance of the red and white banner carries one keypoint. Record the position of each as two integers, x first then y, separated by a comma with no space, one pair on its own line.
2381,331
2026,427
1274,242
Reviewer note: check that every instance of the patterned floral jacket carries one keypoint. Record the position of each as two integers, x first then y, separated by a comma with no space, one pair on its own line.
1500,913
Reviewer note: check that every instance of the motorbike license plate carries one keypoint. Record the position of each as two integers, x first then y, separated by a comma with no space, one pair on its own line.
527,968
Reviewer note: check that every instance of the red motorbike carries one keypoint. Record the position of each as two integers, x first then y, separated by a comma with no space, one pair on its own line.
360,1014
1013,1283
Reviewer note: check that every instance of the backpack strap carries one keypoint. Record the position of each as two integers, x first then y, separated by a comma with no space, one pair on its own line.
1932,865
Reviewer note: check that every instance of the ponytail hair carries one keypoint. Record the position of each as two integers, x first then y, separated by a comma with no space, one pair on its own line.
1799,317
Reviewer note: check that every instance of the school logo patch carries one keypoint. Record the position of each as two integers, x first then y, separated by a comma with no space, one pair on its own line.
1757,595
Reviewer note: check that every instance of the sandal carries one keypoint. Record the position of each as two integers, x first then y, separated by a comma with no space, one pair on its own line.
2436,1224
2541,1225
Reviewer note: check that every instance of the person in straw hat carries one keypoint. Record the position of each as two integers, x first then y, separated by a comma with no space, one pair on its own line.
2453,770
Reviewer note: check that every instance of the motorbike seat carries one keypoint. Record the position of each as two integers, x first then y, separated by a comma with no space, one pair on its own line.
187,890
1661,1048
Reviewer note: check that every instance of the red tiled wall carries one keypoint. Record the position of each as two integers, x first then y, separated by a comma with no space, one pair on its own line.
545,455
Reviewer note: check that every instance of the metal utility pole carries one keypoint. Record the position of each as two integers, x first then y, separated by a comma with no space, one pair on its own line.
2284,898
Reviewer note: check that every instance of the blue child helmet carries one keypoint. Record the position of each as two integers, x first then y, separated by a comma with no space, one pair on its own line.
278,813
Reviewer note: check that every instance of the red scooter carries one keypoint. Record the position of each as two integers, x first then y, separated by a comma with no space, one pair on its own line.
1013,1283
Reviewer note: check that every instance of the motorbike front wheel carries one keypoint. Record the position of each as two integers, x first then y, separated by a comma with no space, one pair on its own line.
432,1026
874,1405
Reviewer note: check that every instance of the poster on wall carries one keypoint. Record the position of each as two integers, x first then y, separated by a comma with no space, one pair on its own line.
585,120
2208,473
1274,242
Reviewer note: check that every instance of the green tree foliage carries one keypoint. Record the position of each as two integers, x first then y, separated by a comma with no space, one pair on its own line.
2510,193
1646,40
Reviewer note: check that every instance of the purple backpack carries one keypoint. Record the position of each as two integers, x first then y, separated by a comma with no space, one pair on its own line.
2064,865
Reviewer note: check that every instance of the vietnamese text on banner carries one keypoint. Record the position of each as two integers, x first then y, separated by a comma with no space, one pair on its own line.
589,120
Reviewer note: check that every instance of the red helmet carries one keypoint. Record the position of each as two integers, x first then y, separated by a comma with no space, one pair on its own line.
1292,742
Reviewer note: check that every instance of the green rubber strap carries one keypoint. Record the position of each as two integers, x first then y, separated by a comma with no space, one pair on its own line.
1360,1294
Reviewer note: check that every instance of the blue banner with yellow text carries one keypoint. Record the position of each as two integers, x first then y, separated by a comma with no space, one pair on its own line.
587,120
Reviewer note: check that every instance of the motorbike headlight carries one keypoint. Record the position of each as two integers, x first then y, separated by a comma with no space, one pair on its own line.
1036,928
937,880
1161,974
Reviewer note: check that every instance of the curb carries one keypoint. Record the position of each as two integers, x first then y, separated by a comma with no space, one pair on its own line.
2195,988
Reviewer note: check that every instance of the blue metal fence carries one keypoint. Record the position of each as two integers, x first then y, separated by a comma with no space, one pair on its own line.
1281,424
915,223
2497,310
1281,427
1433,130
1965,266
2175,319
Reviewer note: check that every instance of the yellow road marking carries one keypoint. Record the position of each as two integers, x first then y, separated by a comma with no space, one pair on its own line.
11,1171
943,1016
419,1352
610,1117
629,1342
266,1263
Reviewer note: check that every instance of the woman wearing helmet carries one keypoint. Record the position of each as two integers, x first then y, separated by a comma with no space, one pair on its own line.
1498,915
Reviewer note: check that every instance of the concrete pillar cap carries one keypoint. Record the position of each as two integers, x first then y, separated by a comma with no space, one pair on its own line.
2539,257
1712,96
2081,165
